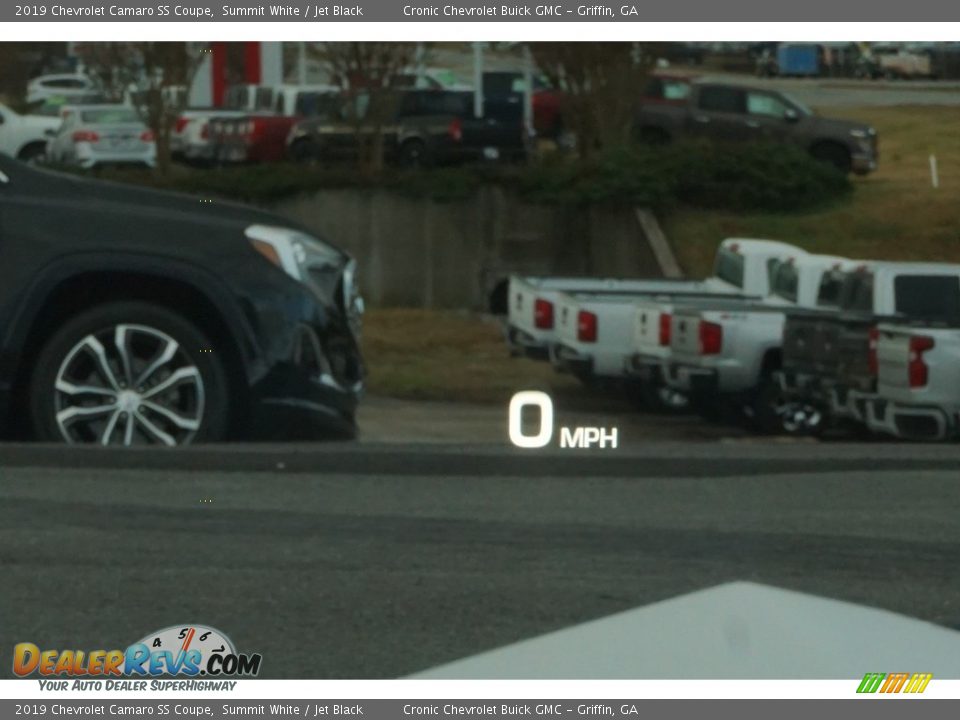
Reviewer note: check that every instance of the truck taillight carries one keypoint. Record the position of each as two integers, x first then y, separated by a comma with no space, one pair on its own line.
873,364
917,369
543,314
456,130
665,320
586,326
205,131
181,124
85,136
711,338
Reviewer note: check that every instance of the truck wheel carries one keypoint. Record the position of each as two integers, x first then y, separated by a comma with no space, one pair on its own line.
413,154
662,399
129,373
775,414
834,154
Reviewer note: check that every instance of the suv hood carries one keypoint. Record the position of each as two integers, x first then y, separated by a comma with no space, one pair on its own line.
158,207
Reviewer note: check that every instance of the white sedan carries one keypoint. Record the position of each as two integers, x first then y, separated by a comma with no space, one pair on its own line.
97,135
64,85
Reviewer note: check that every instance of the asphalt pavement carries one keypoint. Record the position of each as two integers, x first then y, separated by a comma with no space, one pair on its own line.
375,560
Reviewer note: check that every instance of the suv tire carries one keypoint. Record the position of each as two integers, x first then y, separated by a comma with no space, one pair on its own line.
129,373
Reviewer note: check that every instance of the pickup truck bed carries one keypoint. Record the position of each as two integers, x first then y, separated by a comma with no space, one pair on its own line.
532,305
704,343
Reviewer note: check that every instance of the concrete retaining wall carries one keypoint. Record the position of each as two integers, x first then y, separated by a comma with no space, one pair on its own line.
419,253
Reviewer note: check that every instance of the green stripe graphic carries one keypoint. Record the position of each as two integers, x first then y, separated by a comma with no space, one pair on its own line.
871,682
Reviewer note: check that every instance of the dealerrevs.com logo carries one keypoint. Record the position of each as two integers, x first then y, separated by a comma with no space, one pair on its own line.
179,650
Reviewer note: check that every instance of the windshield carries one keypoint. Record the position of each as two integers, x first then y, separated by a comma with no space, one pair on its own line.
857,293
376,379
730,267
828,295
785,281
933,298
797,105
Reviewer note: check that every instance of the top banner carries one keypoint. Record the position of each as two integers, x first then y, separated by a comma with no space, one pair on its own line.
482,11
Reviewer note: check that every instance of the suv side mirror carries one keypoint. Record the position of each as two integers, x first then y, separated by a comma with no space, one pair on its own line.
790,115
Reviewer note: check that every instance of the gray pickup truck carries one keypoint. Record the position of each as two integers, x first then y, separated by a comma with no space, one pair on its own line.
830,354
720,111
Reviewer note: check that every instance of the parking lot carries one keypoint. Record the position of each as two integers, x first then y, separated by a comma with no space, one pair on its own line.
391,560
389,420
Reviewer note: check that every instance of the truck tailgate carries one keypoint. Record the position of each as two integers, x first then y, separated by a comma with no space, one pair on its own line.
853,352
649,336
685,334
811,343
567,308
893,358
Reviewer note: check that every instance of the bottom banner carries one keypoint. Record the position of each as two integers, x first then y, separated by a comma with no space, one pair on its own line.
486,708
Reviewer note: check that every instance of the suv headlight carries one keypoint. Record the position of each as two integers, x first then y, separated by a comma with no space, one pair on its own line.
322,268
292,251
861,134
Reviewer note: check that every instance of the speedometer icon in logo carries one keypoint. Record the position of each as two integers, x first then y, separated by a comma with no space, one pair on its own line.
199,642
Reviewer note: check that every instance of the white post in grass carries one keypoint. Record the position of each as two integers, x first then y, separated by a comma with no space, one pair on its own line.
934,175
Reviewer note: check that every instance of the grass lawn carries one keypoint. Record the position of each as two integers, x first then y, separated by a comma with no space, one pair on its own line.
894,213
448,355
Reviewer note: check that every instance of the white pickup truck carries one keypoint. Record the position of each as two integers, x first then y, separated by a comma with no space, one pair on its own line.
918,384
533,302
830,359
25,136
653,317
728,356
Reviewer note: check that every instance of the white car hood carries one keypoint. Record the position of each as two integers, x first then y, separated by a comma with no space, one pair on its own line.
739,630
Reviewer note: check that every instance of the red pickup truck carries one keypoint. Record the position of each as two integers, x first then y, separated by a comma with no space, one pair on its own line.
262,136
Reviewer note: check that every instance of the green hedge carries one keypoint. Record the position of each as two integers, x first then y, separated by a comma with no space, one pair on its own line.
741,177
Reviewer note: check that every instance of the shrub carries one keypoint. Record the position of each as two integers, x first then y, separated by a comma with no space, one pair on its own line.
754,177
733,177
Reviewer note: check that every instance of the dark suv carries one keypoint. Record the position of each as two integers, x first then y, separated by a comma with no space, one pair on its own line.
130,316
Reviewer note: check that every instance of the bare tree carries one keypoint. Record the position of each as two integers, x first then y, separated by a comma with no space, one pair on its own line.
602,84
369,71
155,76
